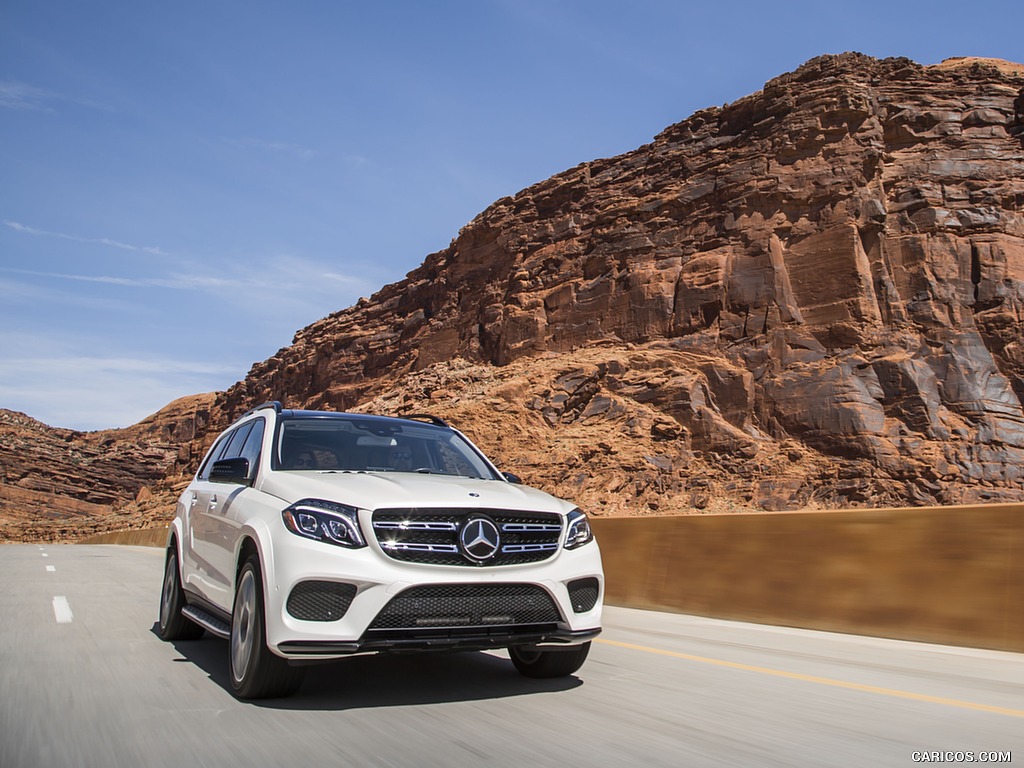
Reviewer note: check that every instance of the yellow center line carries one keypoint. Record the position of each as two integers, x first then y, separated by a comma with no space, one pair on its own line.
820,680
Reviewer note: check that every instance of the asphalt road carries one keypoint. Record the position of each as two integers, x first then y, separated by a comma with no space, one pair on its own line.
85,681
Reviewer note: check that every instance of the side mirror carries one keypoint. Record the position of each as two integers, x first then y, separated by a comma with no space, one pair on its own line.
233,471
510,477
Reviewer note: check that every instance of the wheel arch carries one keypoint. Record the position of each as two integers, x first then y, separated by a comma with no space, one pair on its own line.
174,538
247,548
255,539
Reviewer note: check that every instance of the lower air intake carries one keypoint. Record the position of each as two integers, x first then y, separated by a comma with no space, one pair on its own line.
467,605
583,594
320,600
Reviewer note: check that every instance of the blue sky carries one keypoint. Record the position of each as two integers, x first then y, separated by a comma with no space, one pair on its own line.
183,186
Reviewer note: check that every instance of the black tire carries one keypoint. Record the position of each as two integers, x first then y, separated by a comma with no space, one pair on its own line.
544,664
172,625
254,670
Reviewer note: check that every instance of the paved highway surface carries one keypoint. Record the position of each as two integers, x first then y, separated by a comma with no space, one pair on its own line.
84,681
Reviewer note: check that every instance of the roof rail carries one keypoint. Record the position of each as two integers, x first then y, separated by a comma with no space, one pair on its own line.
425,417
275,404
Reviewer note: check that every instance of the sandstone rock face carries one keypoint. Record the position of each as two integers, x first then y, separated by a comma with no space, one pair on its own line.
830,270
58,483
809,297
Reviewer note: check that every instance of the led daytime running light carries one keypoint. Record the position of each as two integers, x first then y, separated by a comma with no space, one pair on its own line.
325,521
579,532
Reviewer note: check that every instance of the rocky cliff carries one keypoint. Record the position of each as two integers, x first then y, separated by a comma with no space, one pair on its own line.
59,483
811,296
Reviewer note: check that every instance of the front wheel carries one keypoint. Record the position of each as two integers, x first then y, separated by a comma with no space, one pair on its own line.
256,672
173,625
542,663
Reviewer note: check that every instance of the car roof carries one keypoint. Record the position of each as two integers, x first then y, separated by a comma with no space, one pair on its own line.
293,413
424,419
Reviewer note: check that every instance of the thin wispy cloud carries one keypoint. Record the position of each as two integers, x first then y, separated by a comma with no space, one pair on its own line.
17,290
24,97
103,279
108,392
92,383
33,294
85,382
79,365
289,275
176,283
357,161
275,295
106,241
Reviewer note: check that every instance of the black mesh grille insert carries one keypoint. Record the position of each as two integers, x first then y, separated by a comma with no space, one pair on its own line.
320,600
583,594
467,605
431,535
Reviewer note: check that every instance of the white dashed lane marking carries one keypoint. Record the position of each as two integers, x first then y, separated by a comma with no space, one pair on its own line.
50,569
62,610
45,555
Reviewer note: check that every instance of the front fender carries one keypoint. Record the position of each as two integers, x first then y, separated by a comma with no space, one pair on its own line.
175,533
258,532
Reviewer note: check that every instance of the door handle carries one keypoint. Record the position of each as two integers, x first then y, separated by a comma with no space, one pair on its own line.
193,500
213,502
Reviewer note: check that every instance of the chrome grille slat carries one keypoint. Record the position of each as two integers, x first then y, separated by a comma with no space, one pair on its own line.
405,547
430,536
513,548
413,526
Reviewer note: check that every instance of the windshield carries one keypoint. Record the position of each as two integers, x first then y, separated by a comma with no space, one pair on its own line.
368,444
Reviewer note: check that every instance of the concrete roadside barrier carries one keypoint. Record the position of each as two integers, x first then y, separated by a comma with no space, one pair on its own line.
952,575
144,537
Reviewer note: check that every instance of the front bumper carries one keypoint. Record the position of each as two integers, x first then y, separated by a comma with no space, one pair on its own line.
474,639
378,580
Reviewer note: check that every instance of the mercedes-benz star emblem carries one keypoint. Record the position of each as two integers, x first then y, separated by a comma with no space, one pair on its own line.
480,539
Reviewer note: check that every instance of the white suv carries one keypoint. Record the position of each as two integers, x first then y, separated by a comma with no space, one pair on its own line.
311,535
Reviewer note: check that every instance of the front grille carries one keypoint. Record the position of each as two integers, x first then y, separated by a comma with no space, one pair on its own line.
583,594
467,606
431,536
320,600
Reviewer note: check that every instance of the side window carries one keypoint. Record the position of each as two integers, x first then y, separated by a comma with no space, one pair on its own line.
234,449
217,452
243,441
253,444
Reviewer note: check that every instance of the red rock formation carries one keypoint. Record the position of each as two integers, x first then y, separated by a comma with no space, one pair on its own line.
811,296
59,483
835,263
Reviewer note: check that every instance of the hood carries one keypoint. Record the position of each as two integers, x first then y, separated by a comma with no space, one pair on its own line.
376,490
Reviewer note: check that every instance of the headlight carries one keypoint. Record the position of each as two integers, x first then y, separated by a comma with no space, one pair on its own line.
325,521
579,530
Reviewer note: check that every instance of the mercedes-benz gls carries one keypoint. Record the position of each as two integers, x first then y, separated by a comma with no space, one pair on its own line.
315,535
